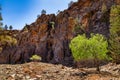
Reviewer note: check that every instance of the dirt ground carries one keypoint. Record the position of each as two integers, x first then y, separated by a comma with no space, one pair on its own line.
45,71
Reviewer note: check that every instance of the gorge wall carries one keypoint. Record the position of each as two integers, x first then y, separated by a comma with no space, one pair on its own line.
49,36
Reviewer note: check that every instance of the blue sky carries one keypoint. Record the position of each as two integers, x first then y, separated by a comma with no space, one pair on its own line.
19,12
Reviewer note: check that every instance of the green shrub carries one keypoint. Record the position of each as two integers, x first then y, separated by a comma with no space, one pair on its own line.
93,48
35,57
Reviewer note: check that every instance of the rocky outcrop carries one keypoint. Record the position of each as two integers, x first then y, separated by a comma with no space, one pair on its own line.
49,36
51,43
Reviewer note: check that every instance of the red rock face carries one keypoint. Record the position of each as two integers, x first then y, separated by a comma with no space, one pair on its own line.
51,41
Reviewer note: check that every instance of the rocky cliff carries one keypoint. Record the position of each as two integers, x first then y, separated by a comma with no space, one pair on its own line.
49,36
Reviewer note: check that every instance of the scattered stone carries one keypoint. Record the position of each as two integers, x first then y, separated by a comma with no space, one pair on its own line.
44,71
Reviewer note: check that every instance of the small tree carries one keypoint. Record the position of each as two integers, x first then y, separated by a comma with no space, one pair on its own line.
70,4
1,28
114,41
38,16
98,48
1,24
1,17
25,28
93,48
6,27
10,27
43,11
58,12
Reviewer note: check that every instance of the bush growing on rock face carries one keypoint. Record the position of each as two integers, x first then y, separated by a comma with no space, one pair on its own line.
35,57
52,23
7,39
93,48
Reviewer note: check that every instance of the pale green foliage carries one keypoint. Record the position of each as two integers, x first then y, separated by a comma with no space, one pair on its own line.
35,57
79,47
52,24
104,7
98,46
83,48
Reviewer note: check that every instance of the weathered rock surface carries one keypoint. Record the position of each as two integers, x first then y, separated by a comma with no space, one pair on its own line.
51,41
